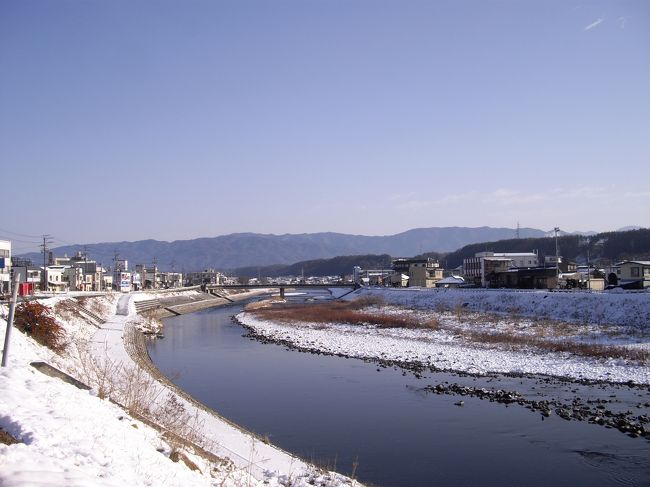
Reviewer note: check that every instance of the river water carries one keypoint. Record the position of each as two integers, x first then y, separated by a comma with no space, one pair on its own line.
354,416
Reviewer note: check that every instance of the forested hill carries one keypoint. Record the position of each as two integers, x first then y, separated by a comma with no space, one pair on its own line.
252,249
337,266
603,248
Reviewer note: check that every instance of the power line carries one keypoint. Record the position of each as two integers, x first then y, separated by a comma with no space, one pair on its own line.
19,234
14,239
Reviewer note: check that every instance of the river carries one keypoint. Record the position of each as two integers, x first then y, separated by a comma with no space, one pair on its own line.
357,417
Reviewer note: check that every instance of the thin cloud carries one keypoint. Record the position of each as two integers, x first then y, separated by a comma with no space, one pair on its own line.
593,24
621,22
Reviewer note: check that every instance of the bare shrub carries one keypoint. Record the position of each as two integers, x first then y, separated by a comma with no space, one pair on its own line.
95,305
442,307
7,439
431,323
66,310
149,323
138,390
101,375
460,311
365,302
184,429
36,320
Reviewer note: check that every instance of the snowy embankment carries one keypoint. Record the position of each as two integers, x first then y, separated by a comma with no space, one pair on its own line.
612,319
73,437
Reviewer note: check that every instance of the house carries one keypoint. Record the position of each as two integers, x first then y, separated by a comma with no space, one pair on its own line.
450,282
524,278
75,278
55,278
91,276
481,268
5,266
634,274
206,276
171,280
420,272
372,277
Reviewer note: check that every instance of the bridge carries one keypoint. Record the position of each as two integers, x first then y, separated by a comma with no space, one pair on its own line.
213,288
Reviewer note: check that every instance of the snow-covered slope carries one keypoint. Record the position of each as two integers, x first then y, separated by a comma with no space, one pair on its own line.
620,320
69,436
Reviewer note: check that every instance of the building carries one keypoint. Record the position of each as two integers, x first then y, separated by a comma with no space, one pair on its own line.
56,278
30,277
420,272
450,282
633,274
170,280
5,266
524,278
207,276
371,277
122,280
75,278
481,268
92,279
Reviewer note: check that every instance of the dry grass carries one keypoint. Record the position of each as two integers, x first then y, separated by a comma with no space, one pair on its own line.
7,439
582,349
359,312
66,310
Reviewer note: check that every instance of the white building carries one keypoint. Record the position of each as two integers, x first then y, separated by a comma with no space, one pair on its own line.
5,266
122,281
55,278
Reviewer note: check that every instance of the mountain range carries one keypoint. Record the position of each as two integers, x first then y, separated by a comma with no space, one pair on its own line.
253,249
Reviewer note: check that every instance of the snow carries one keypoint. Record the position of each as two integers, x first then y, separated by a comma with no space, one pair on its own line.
618,319
73,437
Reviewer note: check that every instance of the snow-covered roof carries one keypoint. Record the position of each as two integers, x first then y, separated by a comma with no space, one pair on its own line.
451,280
640,262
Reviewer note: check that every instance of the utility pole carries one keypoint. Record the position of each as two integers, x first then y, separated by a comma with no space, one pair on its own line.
85,265
517,232
557,260
153,283
47,239
10,318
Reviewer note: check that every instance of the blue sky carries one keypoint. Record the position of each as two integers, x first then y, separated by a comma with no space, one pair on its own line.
125,120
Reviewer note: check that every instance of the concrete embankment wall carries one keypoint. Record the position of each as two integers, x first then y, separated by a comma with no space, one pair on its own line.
180,305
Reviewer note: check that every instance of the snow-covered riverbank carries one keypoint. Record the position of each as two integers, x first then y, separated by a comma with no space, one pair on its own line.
69,436
620,320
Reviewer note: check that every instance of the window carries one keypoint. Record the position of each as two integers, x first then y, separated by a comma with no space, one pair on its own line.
634,272
646,271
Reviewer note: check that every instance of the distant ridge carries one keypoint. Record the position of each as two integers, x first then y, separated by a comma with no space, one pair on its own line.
254,249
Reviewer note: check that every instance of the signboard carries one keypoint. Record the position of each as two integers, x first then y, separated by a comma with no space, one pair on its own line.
2,262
